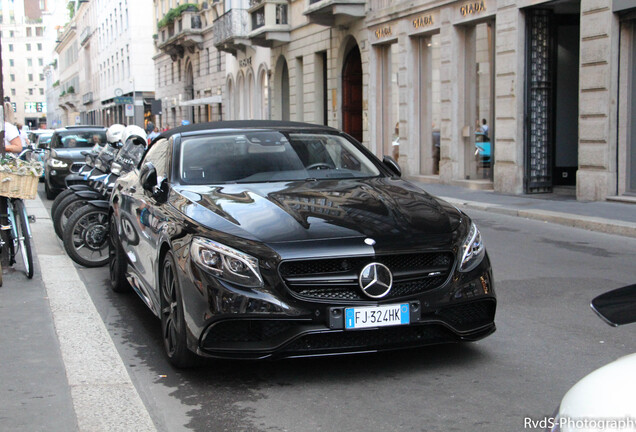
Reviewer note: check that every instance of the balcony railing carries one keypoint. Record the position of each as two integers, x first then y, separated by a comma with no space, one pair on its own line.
231,29
184,32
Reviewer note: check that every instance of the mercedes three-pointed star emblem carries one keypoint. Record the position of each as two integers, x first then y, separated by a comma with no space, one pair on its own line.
376,280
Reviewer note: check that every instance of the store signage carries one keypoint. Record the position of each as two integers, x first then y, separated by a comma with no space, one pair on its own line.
383,32
245,62
473,8
123,100
423,21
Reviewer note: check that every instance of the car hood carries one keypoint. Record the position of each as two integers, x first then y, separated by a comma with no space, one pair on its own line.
70,153
606,393
380,208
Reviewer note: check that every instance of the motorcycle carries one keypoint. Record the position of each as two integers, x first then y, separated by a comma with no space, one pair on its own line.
85,234
92,189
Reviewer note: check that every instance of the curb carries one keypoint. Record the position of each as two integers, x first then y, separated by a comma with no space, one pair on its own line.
602,225
104,397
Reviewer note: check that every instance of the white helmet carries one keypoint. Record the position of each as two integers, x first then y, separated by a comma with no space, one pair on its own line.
133,130
113,134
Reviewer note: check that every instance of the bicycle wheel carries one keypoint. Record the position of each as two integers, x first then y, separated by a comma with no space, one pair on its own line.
23,238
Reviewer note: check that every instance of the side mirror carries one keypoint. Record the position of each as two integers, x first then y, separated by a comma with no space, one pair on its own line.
617,307
392,165
148,177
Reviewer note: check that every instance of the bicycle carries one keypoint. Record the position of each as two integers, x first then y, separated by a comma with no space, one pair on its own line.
19,236
18,239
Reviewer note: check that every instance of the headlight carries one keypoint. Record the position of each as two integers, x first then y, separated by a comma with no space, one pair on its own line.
472,249
226,263
115,168
56,163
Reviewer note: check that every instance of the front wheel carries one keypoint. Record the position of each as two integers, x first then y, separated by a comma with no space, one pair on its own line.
64,210
173,327
49,193
23,239
86,236
117,264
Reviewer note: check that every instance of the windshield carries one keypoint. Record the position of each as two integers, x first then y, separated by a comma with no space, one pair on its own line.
267,156
131,153
75,139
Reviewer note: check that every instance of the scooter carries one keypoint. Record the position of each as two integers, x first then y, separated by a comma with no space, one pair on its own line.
85,234
92,189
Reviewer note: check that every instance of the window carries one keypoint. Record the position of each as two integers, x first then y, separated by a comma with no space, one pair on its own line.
39,47
41,77
12,92
39,31
29,32
40,62
12,77
30,92
11,47
28,47
41,91
29,62
30,77
11,62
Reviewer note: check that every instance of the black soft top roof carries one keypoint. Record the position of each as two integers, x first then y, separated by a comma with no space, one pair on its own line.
242,124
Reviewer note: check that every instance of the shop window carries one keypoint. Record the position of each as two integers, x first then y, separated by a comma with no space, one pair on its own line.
478,132
429,103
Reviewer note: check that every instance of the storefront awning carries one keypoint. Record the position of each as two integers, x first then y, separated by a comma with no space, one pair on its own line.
202,101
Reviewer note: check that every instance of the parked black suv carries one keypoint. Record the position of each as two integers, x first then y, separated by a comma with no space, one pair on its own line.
65,155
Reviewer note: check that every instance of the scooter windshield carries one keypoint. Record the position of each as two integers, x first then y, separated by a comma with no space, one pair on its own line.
130,154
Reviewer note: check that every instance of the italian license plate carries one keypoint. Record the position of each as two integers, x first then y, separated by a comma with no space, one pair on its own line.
377,316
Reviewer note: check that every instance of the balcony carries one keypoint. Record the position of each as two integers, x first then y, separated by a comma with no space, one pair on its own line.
184,33
270,22
85,35
230,31
334,12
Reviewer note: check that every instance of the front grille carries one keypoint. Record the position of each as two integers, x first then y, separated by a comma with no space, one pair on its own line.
468,316
337,278
76,167
384,338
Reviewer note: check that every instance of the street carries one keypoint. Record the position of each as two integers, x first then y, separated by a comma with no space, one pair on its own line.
547,339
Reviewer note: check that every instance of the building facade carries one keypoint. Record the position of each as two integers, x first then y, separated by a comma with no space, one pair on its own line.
520,96
27,41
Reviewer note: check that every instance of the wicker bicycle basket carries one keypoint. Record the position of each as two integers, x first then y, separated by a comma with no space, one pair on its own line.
18,186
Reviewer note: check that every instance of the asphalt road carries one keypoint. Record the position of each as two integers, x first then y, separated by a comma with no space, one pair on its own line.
547,339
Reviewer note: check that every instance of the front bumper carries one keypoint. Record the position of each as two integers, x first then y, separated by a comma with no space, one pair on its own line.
274,323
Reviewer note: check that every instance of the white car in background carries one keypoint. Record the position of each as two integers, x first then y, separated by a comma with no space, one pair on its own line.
604,400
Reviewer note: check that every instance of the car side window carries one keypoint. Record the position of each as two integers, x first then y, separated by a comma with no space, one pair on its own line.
158,155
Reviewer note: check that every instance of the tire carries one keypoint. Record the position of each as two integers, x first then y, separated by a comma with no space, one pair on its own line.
58,199
48,192
86,236
65,210
117,264
173,328
24,242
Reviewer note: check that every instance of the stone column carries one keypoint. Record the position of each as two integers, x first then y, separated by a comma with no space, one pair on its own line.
598,77
509,98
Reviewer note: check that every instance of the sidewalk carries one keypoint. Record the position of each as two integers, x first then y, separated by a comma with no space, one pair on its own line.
601,216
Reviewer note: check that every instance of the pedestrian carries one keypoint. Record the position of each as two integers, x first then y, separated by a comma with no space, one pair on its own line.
150,126
166,128
12,141
152,135
484,127
23,134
